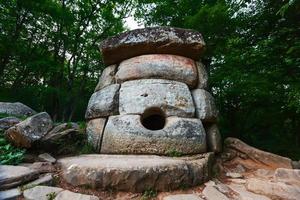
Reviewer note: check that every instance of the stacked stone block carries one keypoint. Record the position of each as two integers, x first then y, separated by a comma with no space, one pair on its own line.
152,98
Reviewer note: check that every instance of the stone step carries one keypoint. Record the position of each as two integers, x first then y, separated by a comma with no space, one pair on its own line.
136,173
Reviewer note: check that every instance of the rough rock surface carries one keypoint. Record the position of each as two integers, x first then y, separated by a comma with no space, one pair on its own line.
45,157
170,67
182,197
205,105
12,176
156,40
202,76
10,194
173,97
16,109
94,130
30,130
41,167
269,159
60,131
67,195
289,176
107,77
125,134
44,179
213,136
7,122
103,102
136,173
211,193
41,193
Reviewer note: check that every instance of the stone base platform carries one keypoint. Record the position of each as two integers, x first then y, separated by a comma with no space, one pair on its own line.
136,173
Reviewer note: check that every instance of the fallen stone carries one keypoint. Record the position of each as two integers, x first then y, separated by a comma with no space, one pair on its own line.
103,102
211,193
202,76
45,179
164,66
271,160
136,173
273,189
182,197
172,97
155,40
213,136
45,157
94,130
246,195
42,193
60,131
41,167
13,176
10,194
289,176
205,105
234,175
7,122
107,77
67,195
30,130
125,134
16,109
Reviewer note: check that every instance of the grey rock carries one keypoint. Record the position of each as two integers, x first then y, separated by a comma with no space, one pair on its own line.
7,122
41,193
103,102
289,176
211,193
264,173
246,195
182,197
16,109
172,97
94,130
45,179
296,164
126,134
202,76
275,190
13,176
164,66
205,106
158,40
266,158
60,131
107,77
11,194
41,167
213,136
135,173
67,195
234,175
45,157
30,130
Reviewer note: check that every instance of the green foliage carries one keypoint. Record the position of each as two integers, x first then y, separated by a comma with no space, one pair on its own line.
149,194
9,155
51,196
174,153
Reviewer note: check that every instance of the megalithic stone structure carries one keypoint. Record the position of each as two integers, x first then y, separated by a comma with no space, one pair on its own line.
151,99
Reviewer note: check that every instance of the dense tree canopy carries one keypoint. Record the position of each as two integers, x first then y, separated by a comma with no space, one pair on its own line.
49,58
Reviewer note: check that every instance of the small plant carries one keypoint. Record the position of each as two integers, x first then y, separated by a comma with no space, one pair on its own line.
51,196
9,155
174,153
149,194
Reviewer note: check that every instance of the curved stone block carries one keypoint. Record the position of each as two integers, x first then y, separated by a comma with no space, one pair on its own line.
160,40
164,66
103,102
205,105
94,130
107,77
173,97
125,134
213,136
136,173
202,76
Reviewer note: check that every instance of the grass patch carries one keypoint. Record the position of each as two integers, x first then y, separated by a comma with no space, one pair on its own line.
51,196
174,153
4,115
9,155
149,194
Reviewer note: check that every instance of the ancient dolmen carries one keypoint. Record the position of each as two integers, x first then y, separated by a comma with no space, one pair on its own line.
151,118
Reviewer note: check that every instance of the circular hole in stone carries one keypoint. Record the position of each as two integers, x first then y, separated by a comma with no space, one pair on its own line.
153,119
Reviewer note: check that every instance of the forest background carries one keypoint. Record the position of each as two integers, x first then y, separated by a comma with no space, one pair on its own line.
49,58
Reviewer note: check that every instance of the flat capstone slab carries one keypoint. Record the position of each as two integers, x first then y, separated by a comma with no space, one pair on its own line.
125,134
164,66
136,173
172,97
154,40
